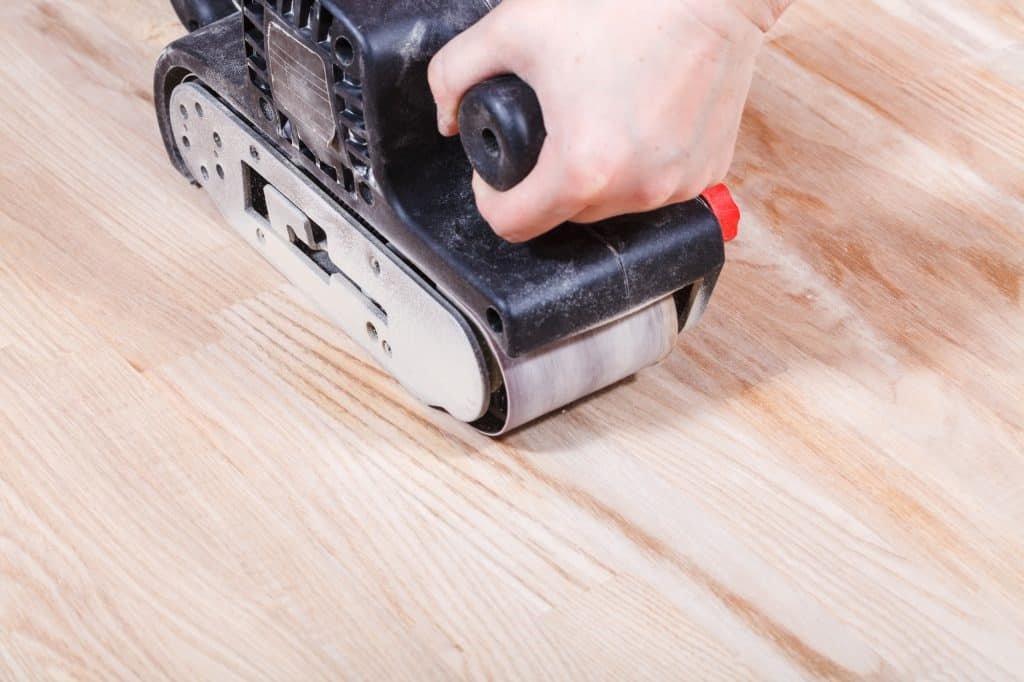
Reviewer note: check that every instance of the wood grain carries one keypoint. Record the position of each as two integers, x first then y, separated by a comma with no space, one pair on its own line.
200,480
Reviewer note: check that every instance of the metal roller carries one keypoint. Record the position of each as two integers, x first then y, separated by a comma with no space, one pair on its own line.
544,381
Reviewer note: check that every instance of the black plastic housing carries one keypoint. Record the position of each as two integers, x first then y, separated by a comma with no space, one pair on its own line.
195,14
341,89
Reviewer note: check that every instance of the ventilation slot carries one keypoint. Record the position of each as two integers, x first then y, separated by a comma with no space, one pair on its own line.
348,161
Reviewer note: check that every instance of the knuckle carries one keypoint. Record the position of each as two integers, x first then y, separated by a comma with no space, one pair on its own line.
688,187
501,226
584,185
582,218
717,176
499,31
509,230
721,170
690,182
437,74
500,28
657,191
692,189
487,209
513,237
587,174
503,222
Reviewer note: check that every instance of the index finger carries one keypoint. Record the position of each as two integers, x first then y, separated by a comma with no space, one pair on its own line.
551,194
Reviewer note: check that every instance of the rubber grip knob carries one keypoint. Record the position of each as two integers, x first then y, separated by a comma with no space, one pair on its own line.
502,130
195,14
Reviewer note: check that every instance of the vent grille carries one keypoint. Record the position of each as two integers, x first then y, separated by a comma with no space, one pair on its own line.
349,164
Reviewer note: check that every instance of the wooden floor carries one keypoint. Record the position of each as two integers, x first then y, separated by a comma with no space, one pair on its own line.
200,480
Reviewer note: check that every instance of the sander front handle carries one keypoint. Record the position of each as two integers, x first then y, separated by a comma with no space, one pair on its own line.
194,14
502,129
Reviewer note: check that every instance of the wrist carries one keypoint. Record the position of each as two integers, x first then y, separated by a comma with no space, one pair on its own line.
740,22
762,13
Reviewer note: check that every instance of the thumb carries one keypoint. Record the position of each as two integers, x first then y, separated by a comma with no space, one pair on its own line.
471,57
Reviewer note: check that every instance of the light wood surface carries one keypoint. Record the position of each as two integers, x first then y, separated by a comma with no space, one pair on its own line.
200,480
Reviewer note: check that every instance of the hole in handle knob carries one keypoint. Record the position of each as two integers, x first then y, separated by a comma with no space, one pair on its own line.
490,142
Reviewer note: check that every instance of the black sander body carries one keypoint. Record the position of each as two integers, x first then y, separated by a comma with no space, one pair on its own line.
311,126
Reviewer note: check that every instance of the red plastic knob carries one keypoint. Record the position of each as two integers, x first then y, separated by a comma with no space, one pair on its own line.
721,203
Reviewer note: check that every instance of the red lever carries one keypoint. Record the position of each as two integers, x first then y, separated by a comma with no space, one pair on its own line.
721,203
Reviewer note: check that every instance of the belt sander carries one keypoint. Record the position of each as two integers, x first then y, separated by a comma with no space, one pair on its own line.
311,127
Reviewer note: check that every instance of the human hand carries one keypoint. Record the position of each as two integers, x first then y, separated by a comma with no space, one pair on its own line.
642,101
